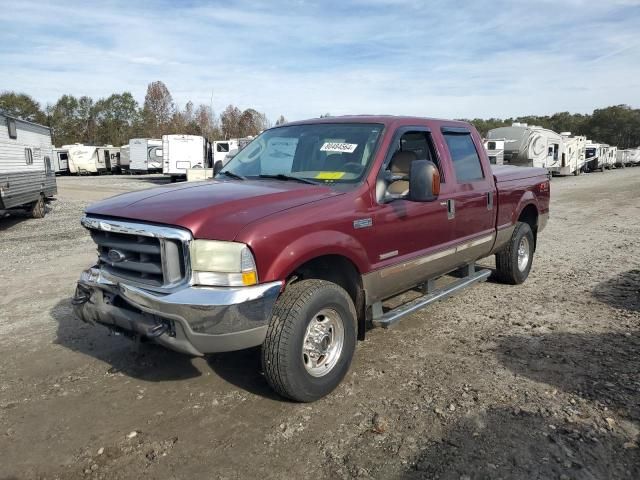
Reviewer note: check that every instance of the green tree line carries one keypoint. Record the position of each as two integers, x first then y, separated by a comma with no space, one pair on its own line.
119,117
116,119
617,125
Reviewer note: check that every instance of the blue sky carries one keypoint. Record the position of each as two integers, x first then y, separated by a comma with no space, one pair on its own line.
300,58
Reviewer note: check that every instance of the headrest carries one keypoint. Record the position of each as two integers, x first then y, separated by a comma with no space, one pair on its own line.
401,162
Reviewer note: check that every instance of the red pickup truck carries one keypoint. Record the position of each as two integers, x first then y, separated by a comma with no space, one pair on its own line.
299,240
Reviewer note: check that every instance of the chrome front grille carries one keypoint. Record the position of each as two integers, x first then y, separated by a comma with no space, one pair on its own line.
148,255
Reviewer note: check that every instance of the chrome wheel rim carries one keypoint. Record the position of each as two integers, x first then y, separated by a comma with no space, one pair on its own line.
323,342
523,254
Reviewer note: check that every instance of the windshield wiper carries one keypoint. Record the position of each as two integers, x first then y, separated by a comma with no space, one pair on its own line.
232,175
282,176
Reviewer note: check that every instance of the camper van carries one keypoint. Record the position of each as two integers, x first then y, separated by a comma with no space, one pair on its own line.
91,159
572,156
27,177
182,152
529,146
60,161
495,151
124,158
145,155
595,156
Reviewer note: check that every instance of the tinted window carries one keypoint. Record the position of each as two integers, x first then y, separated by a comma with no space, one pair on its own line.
466,161
222,147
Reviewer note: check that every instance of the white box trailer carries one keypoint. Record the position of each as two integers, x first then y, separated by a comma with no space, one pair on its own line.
572,156
495,150
61,161
27,177
145,155
529,146
183,152
124,158
223,147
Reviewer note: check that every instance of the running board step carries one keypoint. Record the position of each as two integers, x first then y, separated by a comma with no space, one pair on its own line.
391,317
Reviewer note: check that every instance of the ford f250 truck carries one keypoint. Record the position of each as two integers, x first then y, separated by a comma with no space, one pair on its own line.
297,242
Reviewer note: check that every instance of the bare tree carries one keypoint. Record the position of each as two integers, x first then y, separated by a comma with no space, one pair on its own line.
281,120
230,122
158,109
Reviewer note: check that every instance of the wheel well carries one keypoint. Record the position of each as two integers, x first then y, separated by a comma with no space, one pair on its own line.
529,215
341,271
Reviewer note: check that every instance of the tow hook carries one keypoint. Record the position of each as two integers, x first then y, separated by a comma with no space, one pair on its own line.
157,330
82,296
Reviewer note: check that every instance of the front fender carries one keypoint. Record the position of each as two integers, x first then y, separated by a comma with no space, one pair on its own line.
314,245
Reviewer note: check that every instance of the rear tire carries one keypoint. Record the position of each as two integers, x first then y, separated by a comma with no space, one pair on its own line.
38,208
513,264
310,341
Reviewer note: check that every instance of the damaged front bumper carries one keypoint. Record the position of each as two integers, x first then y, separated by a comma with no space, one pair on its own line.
192,320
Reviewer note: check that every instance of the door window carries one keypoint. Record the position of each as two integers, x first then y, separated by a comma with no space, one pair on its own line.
464,156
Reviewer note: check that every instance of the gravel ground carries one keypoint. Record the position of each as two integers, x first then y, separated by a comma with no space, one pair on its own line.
533,381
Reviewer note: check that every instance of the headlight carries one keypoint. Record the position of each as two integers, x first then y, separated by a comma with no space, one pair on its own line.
222,264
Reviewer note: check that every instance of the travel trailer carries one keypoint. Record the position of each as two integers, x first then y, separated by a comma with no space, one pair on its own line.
529,146
572,156
124,158
145,155
27,177
112,154
634,156
182,152
610,156
222,147
495,151
595,158
91,159
60,161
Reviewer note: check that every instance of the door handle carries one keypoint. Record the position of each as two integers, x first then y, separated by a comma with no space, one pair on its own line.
451,208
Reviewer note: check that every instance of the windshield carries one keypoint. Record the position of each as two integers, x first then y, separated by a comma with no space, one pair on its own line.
331,153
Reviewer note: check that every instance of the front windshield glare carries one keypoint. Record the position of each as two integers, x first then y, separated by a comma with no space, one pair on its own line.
336,153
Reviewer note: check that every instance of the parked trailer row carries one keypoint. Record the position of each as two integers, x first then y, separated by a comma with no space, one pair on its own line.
561,154
27,177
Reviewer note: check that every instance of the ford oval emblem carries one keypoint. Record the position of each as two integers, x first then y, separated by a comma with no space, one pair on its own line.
116,256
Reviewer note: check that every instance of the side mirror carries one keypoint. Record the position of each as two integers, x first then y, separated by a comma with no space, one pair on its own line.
217,167
424,181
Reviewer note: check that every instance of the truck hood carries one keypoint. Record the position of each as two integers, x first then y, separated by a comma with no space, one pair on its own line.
213,209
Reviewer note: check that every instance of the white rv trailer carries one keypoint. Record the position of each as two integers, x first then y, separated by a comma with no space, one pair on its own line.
572,156
27,178
145,155
124,158
61,161
634,156
611,154
90,159
529,146
182,152
111,158
595,154
495,150
222,147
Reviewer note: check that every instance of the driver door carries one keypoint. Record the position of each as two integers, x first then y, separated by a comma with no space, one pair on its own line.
409,241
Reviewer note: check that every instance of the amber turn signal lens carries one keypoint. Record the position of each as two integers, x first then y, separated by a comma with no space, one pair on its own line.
435,183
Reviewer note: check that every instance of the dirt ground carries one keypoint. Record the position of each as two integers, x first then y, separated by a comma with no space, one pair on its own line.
540,380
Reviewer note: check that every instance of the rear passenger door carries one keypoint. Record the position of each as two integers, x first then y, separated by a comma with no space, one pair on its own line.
472,204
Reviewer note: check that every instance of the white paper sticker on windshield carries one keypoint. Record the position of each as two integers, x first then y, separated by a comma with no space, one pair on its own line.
338,147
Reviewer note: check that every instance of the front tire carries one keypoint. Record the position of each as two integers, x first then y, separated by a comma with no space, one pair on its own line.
513,264
310,341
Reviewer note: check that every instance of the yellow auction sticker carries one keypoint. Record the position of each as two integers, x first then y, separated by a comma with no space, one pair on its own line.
330,175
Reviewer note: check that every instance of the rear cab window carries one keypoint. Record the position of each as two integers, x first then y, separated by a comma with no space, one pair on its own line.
464,155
